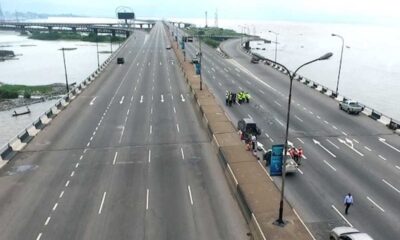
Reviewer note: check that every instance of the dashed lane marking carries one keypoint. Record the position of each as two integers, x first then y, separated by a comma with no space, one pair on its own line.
115,158
102,202
390,185
381,157
55,206
369,149
376,205
190,195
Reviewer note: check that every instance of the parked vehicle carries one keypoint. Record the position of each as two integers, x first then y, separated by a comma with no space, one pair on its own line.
263,154
248,128
348,233
254,60
195,60
351,106
168,47
120,60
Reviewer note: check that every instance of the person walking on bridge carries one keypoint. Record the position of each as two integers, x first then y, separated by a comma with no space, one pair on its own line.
348,201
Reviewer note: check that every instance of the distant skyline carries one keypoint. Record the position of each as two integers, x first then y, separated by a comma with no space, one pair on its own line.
337,11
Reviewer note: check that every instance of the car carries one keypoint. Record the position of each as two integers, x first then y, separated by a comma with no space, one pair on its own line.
351,106
254,60
168,47
195,60
248,127
120,60
348,233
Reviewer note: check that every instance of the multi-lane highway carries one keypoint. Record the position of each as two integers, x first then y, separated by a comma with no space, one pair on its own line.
344,153
127,159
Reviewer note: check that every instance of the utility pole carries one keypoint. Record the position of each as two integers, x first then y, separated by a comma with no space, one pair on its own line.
206,20
216,18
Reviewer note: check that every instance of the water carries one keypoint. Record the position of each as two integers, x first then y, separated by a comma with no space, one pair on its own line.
40,62
370,69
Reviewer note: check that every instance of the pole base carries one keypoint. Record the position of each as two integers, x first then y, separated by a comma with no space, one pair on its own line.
280,223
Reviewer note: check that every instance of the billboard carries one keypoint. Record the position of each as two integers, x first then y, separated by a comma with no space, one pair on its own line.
275,168
126,15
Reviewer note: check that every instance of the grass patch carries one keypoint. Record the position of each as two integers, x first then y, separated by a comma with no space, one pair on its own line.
92,37
212,36
8,91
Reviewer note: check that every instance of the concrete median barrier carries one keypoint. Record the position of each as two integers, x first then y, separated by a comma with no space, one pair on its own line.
16,144
45,120
32,131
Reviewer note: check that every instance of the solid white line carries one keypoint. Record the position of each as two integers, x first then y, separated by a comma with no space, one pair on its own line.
67,183
301,120
149,156
147,200
382,140
369,149
277,103
341,215
151,129
190,194
102,202
258,225
301,220
380,208
300,140
47,221
55,206
265,170
72,173
91,102
329,141
115,158
233,175
298,169
183,155
382,157
334,169
390,185
39,236
61,194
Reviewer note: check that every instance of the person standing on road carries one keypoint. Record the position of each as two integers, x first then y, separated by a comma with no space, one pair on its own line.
348,201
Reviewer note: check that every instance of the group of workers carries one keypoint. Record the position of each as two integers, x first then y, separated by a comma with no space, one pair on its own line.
296,154
233,98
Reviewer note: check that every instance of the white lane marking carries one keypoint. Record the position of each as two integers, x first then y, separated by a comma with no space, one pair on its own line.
326,122
266,134
329,141
160,63
122,100
344,133
382,140
318,117
84,151
301,120
355,140
226,70
381,157
369,149
177,127
137,64
213,69
277,103
183,99
390,185
88,144
94,133
67,183
265,170
132,97
127,112
233,175
80,158
298,169
115,158
398,167
219,83
72,173
151,110
237,70
237,74
162,98
190,194
141,99
122,133
334,169
334,127
39,236
311,112
261,91
341,215
214,77
174,110
102,202
302,222
91,102
183,155
55,206
47,221
373,202
279,122
172,97
304,108
91,138
327,150
147,199
149,156
151,129
250,116
61,194
350,146
300,140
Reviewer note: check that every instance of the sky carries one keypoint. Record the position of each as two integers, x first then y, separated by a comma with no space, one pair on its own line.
332,11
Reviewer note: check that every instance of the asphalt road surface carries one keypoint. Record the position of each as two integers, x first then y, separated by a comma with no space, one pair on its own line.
127,159
344,153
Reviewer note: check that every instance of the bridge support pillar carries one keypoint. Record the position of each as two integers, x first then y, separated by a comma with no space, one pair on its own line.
247,45
127,34
73,29
50,28
113,33
141,26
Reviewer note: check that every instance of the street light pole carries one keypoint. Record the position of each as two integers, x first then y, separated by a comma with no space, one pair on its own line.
276,43
97,49
200,53
65,65
280,221
340,62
